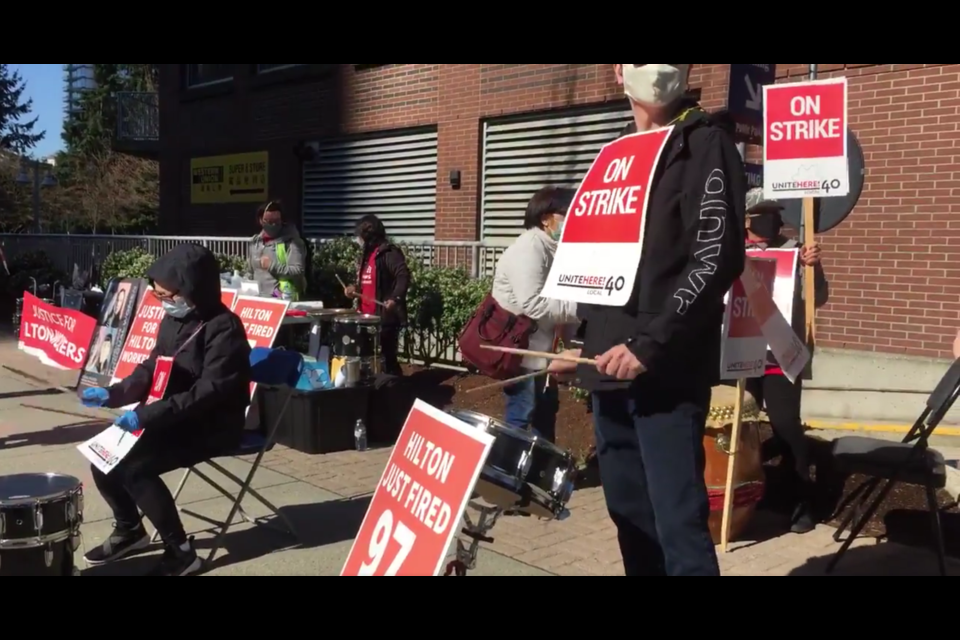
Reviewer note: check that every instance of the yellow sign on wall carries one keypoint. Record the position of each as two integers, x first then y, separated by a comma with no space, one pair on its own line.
241,177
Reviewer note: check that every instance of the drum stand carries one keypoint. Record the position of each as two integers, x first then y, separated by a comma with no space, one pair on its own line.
477,532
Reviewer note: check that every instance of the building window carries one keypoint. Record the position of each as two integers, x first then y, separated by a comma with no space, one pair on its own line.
199,75
267,68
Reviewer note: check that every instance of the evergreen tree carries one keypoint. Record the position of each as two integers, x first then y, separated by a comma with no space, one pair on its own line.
90,132
16,134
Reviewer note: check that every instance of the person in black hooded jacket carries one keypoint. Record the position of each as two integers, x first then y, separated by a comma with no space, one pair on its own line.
201,415
659,355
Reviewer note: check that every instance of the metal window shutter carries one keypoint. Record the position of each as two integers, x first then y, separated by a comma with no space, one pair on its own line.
393,177
519,158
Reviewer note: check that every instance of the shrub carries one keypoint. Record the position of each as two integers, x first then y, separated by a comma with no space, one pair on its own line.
132,263
229,264
331,259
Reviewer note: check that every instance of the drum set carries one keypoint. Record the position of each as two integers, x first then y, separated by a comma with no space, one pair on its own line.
523,475
349,342
40,518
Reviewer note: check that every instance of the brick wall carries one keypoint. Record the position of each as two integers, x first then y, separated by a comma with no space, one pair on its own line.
893,286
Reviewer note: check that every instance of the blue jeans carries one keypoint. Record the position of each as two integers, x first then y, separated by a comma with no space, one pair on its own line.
530,404
652,463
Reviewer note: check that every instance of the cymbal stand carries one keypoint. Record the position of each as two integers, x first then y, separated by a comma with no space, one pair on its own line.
477,532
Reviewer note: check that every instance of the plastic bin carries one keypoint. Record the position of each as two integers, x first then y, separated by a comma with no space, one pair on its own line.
316,422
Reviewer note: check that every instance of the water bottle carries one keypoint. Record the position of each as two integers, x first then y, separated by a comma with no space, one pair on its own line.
360,436
236,282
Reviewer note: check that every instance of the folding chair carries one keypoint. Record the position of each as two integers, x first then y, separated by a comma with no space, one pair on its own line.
911,462
270,369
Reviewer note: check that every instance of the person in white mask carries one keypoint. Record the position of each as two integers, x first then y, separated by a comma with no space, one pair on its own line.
658,357
521,274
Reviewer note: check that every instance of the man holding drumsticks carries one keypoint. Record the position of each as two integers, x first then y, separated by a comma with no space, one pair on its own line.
657,358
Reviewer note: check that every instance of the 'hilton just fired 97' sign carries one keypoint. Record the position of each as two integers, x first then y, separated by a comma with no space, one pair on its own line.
602,241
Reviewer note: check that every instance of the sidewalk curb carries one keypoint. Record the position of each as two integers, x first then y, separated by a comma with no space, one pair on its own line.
825,425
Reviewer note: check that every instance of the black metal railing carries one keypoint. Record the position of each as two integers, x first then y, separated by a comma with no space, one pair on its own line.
138,116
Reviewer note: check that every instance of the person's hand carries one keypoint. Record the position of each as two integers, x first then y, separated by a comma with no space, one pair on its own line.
563,370
265,262
351,291
620,363
810,256
94,397
956,346
390,305
129,422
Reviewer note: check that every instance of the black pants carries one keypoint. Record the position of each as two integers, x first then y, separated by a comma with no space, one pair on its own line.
652,463
136,482
389,347
782,398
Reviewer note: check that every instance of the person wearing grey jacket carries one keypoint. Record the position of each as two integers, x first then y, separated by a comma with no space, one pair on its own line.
774,391
276,257
520,276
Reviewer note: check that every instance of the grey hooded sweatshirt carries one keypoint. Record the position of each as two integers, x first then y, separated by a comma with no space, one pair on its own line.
294,269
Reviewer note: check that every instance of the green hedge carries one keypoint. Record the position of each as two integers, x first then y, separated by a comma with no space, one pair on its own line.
439,302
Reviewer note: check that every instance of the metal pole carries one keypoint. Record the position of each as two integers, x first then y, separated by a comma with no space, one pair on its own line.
36,197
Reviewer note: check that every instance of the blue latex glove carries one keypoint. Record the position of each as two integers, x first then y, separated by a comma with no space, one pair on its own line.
94,397
129,422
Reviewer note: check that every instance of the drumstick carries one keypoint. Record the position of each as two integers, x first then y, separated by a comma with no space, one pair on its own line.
539,354
507,383
360,295
727,516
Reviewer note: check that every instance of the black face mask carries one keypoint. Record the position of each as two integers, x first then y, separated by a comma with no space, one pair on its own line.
767,226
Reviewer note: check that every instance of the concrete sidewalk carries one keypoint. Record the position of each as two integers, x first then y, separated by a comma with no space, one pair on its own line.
326,498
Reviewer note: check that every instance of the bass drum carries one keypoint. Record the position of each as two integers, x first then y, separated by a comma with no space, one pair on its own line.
749,481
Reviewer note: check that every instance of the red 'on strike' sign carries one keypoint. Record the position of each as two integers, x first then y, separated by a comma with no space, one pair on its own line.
610,205
806,120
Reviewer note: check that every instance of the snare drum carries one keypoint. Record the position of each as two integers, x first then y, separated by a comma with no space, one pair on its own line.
324,320
40,518
523,472
356,336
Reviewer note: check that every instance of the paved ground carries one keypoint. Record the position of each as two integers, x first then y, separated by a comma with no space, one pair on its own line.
326,497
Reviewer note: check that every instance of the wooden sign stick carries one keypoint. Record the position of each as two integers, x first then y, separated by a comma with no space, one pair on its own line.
809,237
728,494
809,275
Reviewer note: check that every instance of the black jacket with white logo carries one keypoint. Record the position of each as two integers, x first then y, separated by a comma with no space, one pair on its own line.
693,253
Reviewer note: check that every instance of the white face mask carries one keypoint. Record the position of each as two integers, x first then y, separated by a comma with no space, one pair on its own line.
656,85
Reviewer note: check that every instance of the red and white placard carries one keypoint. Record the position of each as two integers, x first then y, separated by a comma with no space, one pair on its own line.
417,506
57,337
261,318
599,252
142,337
744,351
805,140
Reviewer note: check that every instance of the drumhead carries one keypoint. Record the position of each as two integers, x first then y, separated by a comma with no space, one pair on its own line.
35,487
329,313
480,420
358,318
